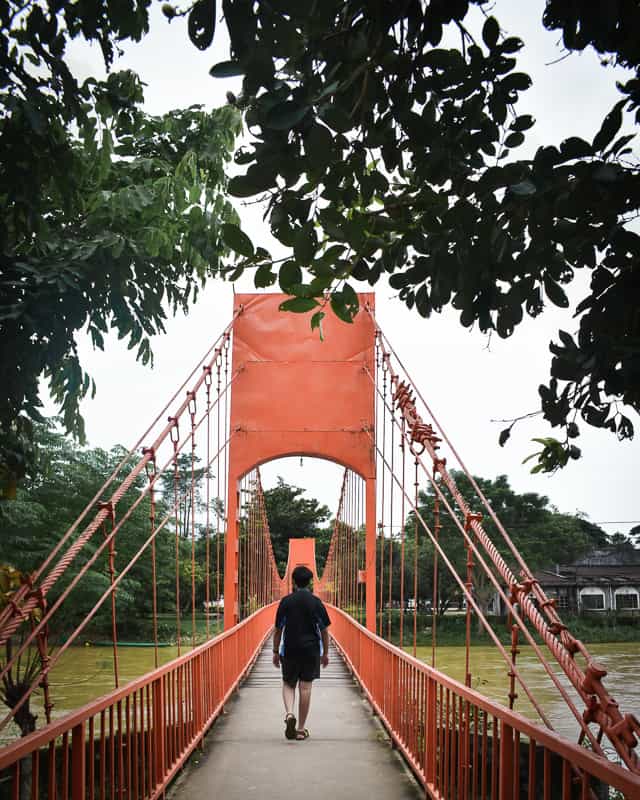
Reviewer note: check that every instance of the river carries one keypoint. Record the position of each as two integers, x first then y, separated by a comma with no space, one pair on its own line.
489,677
84,673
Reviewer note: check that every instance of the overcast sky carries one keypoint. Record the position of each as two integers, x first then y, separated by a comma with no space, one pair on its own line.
468,381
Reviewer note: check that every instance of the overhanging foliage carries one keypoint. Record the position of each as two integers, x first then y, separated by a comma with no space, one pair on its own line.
109,216
385,139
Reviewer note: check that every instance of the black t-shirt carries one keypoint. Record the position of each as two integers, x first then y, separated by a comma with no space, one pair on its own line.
301,616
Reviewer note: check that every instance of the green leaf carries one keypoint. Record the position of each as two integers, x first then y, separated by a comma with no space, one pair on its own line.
202,23
514,139
442,59
237,240
290,274
226,69
516,80
240,186
610,126
305,244
574,147
339,309
350,299
555,292
490,32
300,305
284,116
511,45
345,303
523,123
264,277
621,142
318,145
504,436
316,322
337,119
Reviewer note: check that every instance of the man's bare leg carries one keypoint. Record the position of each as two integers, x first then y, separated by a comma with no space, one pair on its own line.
289,697
304,688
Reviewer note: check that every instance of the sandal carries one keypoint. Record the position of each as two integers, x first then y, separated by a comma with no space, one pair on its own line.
302,735
290,726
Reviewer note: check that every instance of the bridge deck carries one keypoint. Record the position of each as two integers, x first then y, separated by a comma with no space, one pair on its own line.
246,754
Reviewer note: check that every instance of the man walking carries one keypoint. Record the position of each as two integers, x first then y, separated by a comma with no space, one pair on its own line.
300,645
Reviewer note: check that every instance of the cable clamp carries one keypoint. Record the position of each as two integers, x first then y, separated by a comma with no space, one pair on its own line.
439,465
556,629
624,729
471,517
107,505
593,677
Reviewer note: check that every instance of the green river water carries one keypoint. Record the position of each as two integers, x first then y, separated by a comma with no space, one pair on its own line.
85,673
488,670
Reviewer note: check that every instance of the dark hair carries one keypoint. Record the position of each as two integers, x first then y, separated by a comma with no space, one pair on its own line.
301,576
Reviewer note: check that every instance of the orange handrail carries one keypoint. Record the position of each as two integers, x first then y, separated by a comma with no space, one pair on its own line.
448,733
131,742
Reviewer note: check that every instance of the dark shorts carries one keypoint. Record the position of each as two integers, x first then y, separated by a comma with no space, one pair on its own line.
300,667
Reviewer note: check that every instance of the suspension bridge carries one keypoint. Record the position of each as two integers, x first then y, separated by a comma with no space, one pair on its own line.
267,388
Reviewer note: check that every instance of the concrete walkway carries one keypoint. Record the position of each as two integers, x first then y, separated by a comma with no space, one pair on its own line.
246,754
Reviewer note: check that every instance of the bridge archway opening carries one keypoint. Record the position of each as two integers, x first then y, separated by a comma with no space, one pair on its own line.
302,493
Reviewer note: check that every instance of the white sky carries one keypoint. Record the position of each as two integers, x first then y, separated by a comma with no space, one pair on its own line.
467,383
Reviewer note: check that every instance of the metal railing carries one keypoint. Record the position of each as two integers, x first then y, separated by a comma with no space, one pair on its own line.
461,745
129,744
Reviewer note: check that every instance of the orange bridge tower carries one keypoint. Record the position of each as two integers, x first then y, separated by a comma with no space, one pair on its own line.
296,395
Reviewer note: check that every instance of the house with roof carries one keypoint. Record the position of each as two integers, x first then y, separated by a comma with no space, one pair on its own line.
604,580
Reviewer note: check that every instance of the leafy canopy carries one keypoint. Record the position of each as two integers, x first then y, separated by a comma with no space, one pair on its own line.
66,480
109,216
385,136
543,536
292,516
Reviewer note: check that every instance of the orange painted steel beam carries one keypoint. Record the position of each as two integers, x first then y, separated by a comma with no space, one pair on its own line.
395,705
296,395
169,726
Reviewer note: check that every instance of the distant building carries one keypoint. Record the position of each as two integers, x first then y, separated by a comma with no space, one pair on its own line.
605,580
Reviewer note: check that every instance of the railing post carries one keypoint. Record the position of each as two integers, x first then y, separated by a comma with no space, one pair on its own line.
431,718
78,763
231,557
506,761
197,701
159,737
371,529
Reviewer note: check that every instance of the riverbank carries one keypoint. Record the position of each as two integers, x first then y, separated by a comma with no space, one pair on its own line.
451,629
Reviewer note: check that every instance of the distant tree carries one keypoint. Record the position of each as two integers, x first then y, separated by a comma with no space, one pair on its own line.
542,535
179,480
621,542
46,506
292,516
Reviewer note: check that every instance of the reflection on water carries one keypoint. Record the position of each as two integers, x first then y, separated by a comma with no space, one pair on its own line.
489,676
85,673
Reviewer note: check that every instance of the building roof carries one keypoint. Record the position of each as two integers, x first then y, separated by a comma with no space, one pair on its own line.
610,557
611,565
